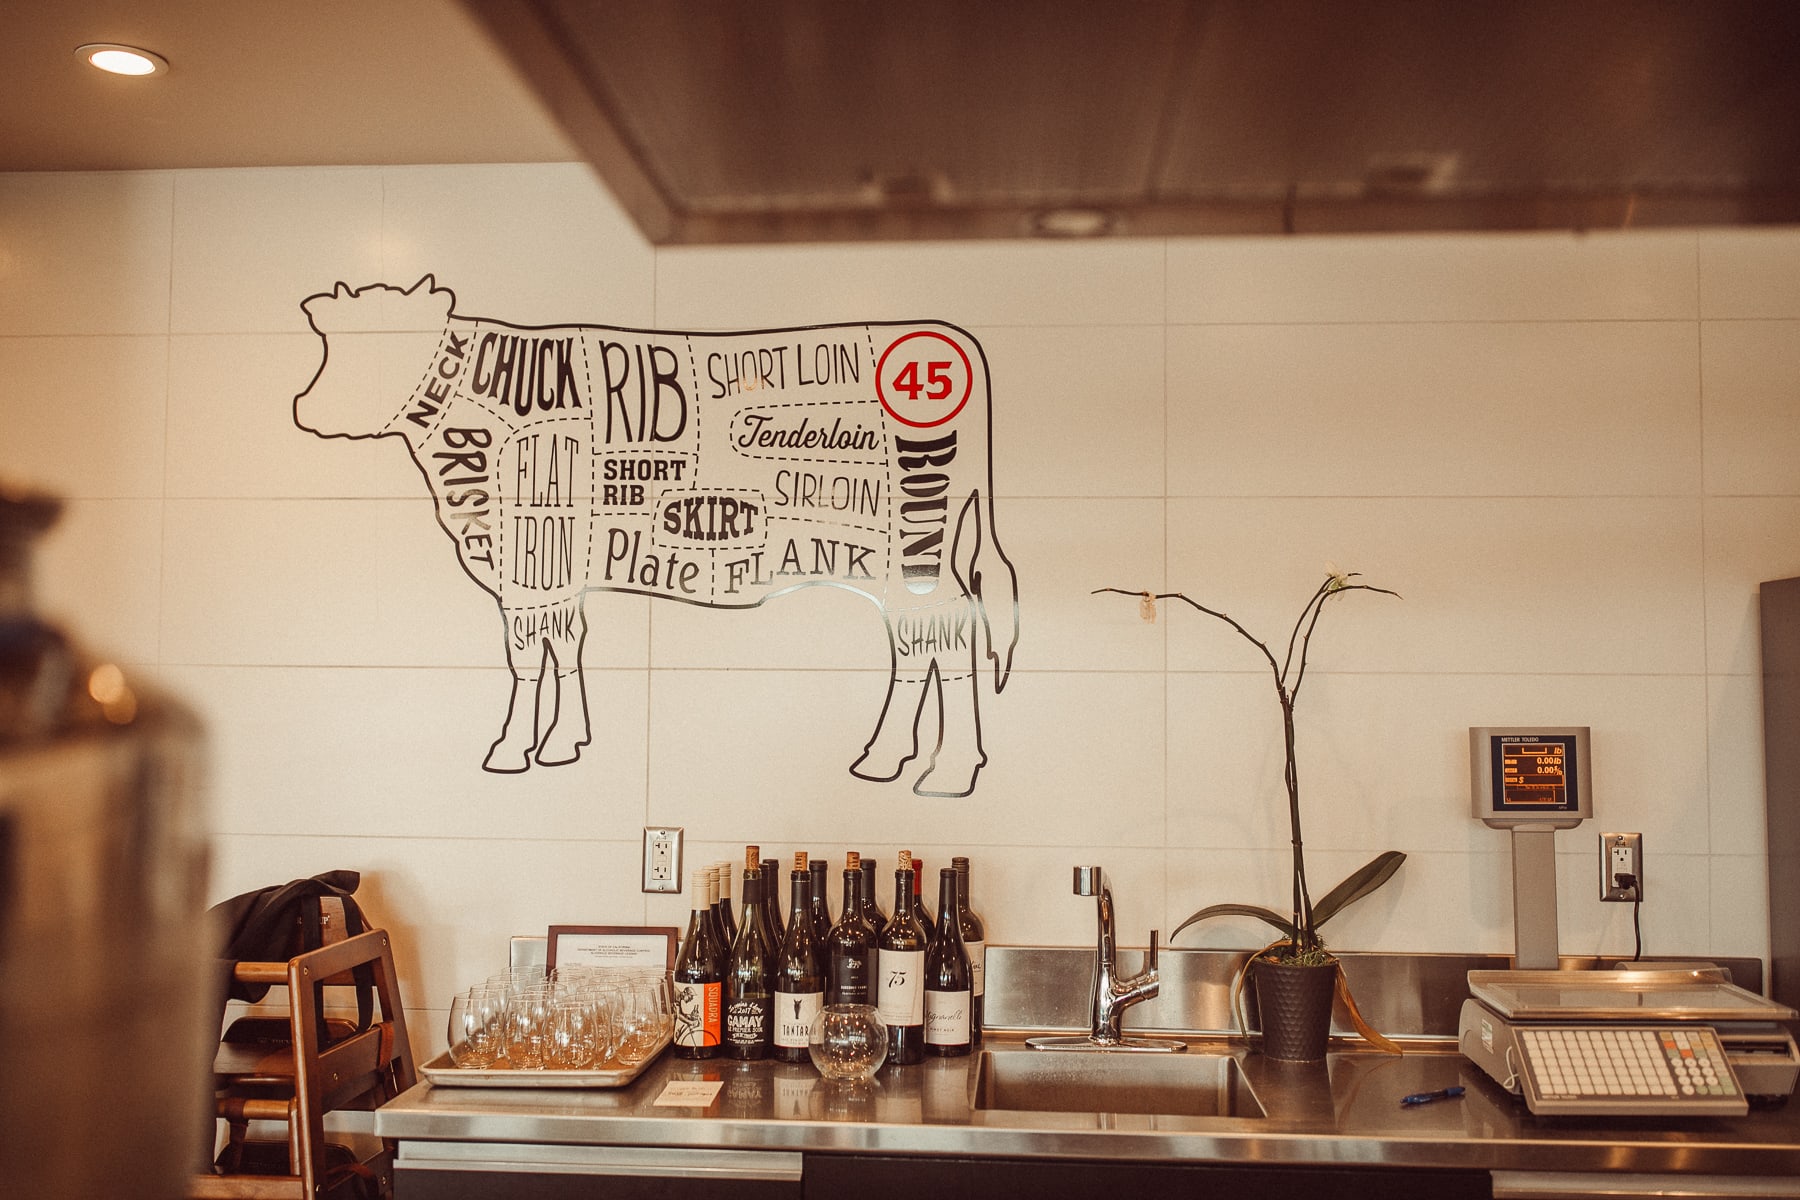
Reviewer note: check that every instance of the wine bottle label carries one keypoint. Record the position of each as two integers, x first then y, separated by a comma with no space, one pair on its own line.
850,979
946,1018
795,1013
747,1021
900,998
977,966
697,1014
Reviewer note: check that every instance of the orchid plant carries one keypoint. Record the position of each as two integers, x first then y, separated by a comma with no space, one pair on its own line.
1300,933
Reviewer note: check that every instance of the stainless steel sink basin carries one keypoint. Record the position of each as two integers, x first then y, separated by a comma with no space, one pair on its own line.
1172,1085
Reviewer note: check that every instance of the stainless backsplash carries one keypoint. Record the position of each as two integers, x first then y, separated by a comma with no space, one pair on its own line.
1401,995
1040,988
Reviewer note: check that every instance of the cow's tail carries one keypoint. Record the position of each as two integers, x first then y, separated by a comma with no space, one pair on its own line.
989,577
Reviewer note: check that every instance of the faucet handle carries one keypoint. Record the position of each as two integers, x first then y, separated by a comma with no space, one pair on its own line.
1088,881
1150,963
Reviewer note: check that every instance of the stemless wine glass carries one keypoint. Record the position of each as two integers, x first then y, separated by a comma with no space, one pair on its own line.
568,1045
527,1026
473,1033
607,1000
665,984
640,1022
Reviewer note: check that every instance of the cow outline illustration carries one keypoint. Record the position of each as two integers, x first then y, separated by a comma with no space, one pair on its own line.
594,480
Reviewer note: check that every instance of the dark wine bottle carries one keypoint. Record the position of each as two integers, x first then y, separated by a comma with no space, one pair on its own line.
727,919
799,972
776,930
698,974
821,905
871,910
713,923
850,946
900,969
920,914
948,990
749,999
974,935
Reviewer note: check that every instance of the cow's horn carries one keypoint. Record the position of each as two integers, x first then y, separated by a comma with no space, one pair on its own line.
342,289
427,281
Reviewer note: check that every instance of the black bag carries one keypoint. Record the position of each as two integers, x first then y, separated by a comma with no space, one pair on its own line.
276,923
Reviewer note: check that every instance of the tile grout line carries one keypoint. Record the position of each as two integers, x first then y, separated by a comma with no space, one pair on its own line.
1705,622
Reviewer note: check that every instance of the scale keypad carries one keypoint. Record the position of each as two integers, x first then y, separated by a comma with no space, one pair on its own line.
1671,1068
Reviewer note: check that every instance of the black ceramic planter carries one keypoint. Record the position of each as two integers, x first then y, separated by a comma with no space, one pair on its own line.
1293,1005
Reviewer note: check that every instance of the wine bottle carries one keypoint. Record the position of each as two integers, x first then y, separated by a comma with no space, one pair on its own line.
919,912
714,924
850,946
871,910
821,906
749,1002
799,972
727,919
948,990
698,976
900,968
974,935
776,929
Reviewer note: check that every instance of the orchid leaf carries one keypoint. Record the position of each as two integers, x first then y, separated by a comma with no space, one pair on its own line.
1358,885
1238,910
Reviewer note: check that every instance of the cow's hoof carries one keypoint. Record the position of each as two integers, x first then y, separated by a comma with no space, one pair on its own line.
878,770
940,780
504,761
559,756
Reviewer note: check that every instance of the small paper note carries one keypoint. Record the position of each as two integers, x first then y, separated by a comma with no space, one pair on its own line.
689,1093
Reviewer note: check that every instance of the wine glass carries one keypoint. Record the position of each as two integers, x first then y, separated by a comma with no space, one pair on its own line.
528,1012
569,1043
473,1032
640,1022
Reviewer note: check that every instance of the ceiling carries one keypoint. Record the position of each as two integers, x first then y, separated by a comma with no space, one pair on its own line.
772,120
263,83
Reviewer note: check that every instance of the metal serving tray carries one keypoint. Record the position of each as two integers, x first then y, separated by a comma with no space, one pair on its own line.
441,1072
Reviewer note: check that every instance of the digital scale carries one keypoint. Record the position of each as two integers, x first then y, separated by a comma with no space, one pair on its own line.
1676,1042
1532,781
1669,1040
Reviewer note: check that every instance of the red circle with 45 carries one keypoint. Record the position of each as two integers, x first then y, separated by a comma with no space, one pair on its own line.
923,379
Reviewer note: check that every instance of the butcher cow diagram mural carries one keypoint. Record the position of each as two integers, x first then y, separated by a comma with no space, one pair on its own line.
715,469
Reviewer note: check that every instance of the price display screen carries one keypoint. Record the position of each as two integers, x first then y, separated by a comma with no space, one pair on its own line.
1534,774
1527,776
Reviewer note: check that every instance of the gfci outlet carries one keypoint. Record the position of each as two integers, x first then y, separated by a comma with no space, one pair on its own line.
662,858
1622,854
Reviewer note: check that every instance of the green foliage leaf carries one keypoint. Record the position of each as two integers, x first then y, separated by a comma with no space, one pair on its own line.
1238,910
1357,885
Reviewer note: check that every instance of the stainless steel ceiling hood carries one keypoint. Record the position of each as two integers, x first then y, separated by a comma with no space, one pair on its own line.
808,120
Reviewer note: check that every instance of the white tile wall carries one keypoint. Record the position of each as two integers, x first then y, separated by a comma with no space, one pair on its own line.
85,254
1572,455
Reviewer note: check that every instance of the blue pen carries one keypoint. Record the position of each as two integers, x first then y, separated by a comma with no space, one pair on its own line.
1449,1093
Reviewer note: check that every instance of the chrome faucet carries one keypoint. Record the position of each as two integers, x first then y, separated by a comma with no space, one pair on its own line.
1110,995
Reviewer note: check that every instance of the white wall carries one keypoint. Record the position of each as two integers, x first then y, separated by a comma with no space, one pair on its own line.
1575,457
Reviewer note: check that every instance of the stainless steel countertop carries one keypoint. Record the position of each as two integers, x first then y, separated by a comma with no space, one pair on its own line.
1344,1112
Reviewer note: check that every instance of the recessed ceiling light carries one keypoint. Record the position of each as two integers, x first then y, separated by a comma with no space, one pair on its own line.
122,60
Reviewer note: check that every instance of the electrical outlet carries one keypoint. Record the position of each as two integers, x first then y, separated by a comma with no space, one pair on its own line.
1621,854
662,858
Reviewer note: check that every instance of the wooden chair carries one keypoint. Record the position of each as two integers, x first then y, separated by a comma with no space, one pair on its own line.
297,1068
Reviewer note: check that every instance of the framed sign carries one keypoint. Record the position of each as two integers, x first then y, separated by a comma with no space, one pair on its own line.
612,946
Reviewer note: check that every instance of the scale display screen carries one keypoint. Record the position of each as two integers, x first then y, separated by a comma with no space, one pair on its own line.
1529,776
